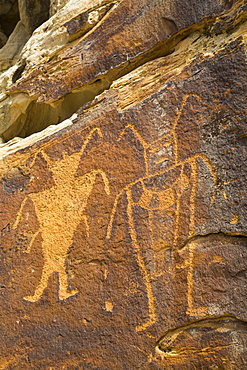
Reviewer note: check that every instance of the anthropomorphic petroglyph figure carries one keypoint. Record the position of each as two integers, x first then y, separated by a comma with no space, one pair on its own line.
163,189
59,211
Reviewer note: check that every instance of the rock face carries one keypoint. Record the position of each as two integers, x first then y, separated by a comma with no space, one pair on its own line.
123,198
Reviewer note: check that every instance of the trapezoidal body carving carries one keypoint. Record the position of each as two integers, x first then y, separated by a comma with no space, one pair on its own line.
59,210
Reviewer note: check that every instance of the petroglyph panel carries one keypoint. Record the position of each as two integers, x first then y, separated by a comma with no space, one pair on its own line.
129,224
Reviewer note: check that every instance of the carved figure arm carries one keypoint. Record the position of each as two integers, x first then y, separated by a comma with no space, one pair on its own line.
19,213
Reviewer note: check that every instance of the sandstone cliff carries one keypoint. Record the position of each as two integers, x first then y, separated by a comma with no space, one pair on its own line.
123,184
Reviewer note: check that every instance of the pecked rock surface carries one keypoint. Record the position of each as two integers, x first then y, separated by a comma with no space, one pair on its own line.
123,189
87,45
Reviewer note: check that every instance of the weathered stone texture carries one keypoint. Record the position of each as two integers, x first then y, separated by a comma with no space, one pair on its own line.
123,228
100,51
33,13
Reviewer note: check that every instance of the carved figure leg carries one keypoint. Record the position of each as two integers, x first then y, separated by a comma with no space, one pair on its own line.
142,266
47,271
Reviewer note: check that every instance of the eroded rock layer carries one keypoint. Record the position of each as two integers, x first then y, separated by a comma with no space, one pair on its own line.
123,227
